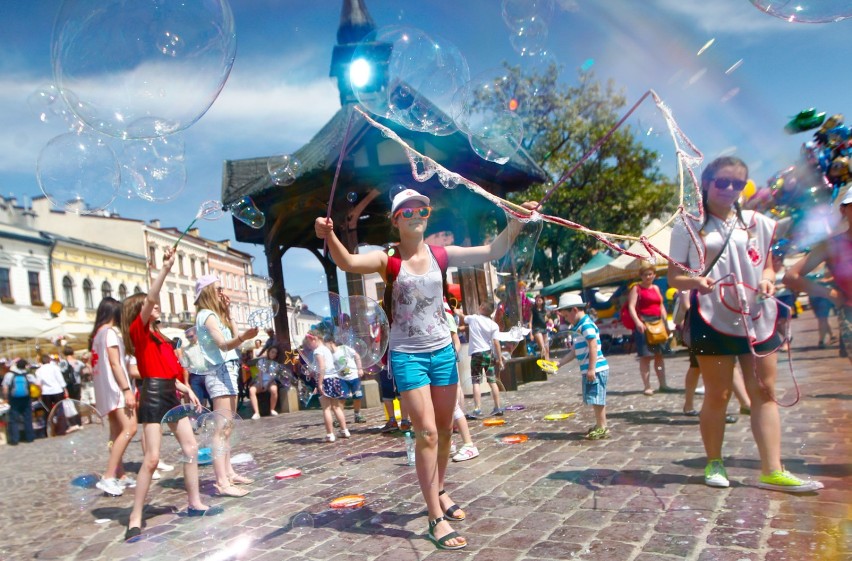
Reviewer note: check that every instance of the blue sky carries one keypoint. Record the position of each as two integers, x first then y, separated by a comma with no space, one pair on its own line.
279,93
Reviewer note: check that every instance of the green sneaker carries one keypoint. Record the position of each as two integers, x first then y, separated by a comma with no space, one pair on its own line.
598,434
783,480
715,474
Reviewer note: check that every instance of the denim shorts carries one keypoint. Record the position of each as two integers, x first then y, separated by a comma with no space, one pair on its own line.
415,370
594,393
351,388
221,380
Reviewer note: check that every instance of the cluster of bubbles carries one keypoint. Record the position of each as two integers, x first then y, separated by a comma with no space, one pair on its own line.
284,169
514,266
213,431
815,11
261,318
127,78
803,198
355,324
528,21
427,87
270,371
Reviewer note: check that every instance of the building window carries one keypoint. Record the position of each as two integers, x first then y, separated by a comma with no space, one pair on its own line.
68,292
35,288
152,256
5,284
122,291
185,302
180,265
171,302
88,297
192,266
137,290
106,290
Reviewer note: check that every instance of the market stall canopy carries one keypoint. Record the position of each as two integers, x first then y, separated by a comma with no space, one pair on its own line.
624,267
24,324
574,281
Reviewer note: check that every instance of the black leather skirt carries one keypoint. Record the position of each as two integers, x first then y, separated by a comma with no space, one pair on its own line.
158,396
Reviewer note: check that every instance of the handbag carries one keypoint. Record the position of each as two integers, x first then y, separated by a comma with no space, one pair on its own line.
655,332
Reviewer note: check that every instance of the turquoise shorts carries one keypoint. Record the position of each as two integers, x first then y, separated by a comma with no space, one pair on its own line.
415,370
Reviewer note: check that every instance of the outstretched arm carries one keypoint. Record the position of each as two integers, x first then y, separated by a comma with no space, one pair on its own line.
372,262
469,256
153,297
796,278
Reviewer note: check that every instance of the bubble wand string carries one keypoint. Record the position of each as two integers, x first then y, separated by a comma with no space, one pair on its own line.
336,175
423,168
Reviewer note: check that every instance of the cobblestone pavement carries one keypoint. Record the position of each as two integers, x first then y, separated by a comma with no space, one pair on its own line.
638,496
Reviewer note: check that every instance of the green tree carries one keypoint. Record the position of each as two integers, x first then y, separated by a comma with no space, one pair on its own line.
618,189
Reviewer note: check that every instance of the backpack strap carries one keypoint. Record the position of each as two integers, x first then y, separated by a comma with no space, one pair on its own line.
395,264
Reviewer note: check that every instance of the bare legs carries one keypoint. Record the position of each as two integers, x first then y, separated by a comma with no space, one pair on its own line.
541,341
183,432
225,474
122,428
690,382
645,372
431,410
718,372
332,407
273,398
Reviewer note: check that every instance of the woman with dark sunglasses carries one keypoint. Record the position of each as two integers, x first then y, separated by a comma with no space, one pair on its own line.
420,350
732,320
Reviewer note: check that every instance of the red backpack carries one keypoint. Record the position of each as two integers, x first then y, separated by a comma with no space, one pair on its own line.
392,271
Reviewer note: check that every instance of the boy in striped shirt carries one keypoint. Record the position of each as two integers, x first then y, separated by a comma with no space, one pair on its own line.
572,309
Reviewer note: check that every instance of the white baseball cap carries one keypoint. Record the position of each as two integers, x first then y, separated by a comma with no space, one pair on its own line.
570,300
405,196
203,281
847,199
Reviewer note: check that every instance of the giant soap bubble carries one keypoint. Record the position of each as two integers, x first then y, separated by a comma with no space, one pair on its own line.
417,87
813,11
78,172
144,68
357,322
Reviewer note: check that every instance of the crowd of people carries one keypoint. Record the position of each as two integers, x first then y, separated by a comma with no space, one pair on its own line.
727,316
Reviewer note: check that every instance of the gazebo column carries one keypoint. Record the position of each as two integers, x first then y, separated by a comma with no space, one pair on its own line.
274,253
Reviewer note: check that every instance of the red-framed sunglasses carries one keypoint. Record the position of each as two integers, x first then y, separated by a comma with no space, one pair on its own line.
422,212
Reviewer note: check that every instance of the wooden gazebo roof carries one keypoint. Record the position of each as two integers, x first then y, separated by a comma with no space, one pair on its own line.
372,165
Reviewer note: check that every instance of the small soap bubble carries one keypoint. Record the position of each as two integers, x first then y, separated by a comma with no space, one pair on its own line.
244,210
352,197
302,523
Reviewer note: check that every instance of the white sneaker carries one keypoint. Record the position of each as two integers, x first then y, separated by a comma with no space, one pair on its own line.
330,438
699,390
255,416
156,475
466,452
452,449
273,412
345,433
163,466
127,481
110,486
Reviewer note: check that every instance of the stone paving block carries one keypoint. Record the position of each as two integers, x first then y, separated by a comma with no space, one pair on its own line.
679,546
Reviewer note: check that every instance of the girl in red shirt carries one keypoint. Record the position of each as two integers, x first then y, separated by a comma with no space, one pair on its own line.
645,303
161,378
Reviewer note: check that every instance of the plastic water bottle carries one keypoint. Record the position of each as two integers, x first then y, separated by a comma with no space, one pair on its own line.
409,446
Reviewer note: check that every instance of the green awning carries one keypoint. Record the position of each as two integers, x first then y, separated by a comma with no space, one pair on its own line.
575,280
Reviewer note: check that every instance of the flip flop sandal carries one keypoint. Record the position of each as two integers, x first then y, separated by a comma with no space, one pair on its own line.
230,491
691,413
442,541
452,509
